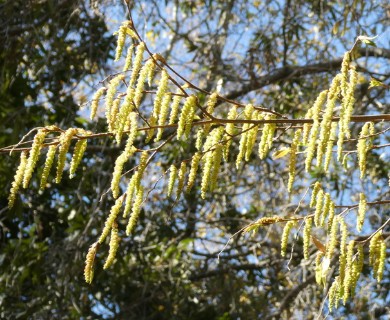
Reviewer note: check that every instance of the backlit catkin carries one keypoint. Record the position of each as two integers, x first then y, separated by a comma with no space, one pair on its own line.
47,166
18,179
65,140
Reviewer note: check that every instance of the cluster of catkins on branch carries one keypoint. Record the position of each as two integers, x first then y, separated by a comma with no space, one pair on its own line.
214,138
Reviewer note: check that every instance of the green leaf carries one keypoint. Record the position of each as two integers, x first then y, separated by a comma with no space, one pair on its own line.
376,83
367,40
281,153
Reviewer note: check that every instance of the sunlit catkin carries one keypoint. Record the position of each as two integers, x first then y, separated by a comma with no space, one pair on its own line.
381,261
135,212
311,148
18,179
306,237
361,211
175,106
217,158
348,280
111,219
47,167
114,245
116,175
186,117
129,58
326,208
172,179
348,102
78,153
137,64
363,146
111,91
126,108
332,241
34,156
344,72
343,248
293,159
161,90
65,140
286,232
139,90
329,146
89,263
319,206
266,137
162,117
334,294
180,181
316,189
95,101
121,33
318,268
194,169
131,189
230,131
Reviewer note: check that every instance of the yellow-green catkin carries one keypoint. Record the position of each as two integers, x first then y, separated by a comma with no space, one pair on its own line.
120,42
293,159
334,295
194,169
47,167
114,245
344,72
318,268
348,280
131,189
331,215
33,157
374,252
180,181
65,140
286,232
135,212
217,158
137,64
266,137
381,261
307,127
343,248
162,117
161,90
172,179
139,89
186,117
363,146
230,131
316,189
111,219
89,263
326,123
319,206
326,208
118,168
251,139
329,146
212,154
114,112
348,102
123,115
175,106
18,179
311,148
361,211
332,242
133,130
248,111
111,90
129,58
306,237
78,153
95,101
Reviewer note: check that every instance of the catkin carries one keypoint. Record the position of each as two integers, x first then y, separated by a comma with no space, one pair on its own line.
65,140
343,248
318,269
349,102
326,208
266,137
175,106
186,117
131,189
137,64
126,109
162,117
319,206
18,179
332,242
114,245
361,211
133,126
216,160
194,168
230,131
311,148
47,167
116,175
161,90
111,219
135,212
316,189
334,294
293,159
129,58
381,261
172,179
120,42
329,146
78,153
181,177
363,146
348,280
306,237
89,262
111,90
139,89
34,156
95,101
286,232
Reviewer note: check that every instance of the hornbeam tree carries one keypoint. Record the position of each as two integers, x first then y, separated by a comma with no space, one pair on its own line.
313,158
